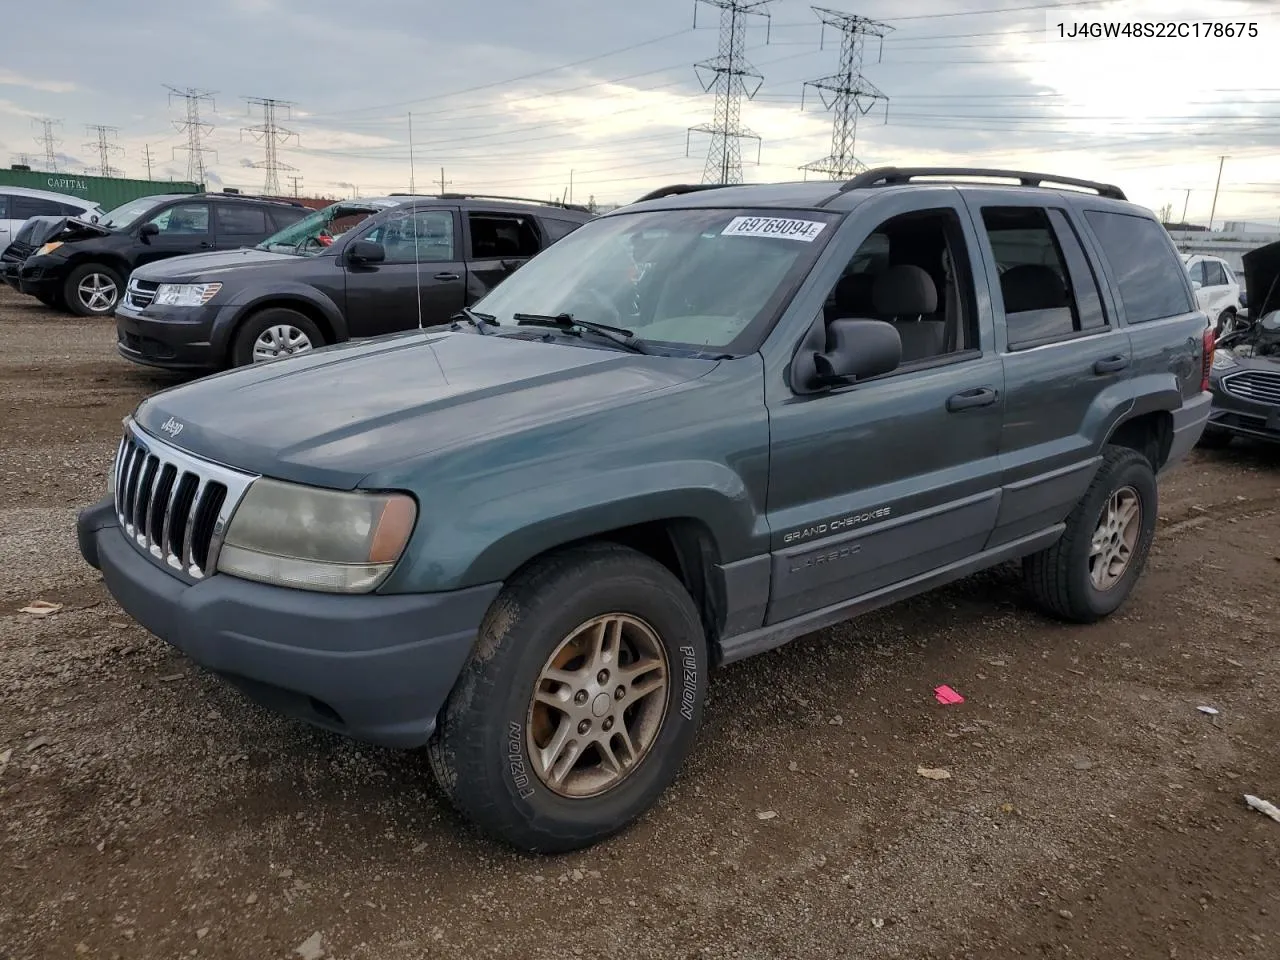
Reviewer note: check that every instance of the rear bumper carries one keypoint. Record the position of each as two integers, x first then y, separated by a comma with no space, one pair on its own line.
1188,424
376,668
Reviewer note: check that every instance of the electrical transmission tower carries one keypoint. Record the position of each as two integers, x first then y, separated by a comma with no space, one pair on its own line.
49,142
846,92
22,159
270,134
104,147
195,129
730,76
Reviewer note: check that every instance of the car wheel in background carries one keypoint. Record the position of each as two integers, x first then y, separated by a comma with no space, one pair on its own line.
92,290
273,334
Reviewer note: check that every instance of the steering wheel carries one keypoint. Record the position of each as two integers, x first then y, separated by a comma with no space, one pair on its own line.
600,300
306,243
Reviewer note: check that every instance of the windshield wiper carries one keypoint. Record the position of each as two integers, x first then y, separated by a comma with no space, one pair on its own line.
565,321
478,320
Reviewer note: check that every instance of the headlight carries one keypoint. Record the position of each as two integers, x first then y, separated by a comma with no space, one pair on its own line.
185,294
48,248
1223,360
313,539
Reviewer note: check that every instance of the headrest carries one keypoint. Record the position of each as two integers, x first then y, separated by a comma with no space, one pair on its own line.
904,290
1032,286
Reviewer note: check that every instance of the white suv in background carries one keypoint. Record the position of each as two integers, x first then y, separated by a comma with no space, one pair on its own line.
1217,289
20,204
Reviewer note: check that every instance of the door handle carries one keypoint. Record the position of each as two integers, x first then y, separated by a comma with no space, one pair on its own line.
1111,365
205,244
978,397
445,276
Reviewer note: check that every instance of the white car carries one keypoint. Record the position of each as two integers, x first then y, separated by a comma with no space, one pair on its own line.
20,204
1217,289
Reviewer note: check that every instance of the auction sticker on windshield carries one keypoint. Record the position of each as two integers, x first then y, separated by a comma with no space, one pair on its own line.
805,230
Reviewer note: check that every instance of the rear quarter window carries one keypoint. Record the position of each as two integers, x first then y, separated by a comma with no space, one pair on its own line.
1148,271
555,230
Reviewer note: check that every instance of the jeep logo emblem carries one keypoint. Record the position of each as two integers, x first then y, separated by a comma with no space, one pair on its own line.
172,427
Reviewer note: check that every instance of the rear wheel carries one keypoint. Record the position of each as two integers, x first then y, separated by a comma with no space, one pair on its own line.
1226,322
92,290
579,704
1090,572
272,334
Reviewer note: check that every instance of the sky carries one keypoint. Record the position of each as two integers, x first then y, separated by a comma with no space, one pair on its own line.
517,98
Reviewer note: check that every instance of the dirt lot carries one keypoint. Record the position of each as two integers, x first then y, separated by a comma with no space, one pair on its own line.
1092,811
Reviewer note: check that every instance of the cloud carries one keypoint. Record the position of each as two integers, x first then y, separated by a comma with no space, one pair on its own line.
11,78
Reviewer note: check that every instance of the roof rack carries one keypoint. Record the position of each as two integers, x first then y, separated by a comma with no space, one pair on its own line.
676,189
888,176
492,196
226,194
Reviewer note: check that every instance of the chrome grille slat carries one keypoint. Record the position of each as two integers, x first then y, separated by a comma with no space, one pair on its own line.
140,293
1259,386
174,507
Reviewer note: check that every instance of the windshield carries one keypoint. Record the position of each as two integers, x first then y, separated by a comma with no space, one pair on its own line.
315,233
690,278
126,213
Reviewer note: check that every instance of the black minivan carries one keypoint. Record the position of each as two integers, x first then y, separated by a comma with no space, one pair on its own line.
357,268
84,266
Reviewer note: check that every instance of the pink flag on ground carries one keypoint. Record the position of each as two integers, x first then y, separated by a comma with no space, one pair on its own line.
946,695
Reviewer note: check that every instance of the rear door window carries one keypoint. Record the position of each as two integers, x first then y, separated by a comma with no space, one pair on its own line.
557,229
4,206
240,220
24,208
496,236
1213,274
1145,264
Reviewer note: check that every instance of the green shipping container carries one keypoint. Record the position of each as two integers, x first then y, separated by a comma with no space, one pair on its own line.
107,192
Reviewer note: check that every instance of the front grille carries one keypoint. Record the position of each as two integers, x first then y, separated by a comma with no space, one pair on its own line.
17,252
141,293
1260,386
174,507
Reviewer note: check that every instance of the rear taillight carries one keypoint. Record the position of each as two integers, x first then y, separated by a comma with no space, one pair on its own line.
1210,342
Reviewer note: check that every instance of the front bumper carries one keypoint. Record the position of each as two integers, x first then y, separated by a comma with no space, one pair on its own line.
42,276
1244,418
373,667
175,338
9,272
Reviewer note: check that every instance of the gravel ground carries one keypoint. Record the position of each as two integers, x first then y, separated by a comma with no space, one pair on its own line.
1091,811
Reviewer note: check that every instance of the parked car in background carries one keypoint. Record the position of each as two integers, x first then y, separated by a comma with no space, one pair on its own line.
1245,379
1217,289
525,540
29,238
84,265
19,204
358,268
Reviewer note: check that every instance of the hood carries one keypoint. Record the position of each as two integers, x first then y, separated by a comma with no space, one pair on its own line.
207,266
68,229
1262,279
332,417
37,230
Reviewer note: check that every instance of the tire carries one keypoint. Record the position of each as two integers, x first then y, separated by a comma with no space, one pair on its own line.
92,290
1226,316
289,324
1215,439
482,755
1059,577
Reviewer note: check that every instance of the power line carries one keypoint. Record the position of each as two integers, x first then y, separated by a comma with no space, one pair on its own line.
296,179
195,129
271,135
727,74
105,147
49,142
851,94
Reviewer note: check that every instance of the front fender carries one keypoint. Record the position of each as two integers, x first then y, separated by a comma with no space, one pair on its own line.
489,541
278,293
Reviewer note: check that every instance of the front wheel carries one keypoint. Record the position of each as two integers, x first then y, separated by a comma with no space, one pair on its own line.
580,701
1093,567
1226,323
92,290
272,334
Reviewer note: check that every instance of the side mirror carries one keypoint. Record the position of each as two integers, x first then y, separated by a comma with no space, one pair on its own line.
845,350
366,251
1196,284
512,265
147,231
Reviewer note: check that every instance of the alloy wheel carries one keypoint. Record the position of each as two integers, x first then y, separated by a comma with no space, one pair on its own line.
97,292
598,705
1114,539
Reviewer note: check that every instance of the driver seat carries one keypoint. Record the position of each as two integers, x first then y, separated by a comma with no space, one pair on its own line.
905,295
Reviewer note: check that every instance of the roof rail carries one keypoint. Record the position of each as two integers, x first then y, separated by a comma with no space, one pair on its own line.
888,176
491,196
676,189
224,195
